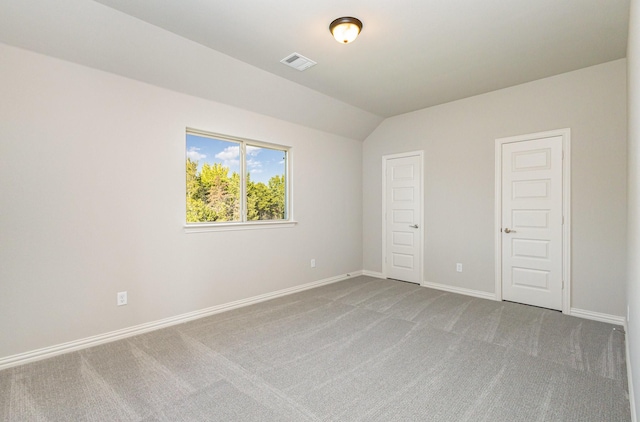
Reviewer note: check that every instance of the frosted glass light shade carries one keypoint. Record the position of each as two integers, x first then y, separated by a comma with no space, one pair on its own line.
345,29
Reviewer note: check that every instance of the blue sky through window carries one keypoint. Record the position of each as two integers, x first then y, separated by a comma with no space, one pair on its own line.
262,163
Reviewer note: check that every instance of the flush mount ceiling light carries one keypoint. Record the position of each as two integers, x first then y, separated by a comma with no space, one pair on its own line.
345,29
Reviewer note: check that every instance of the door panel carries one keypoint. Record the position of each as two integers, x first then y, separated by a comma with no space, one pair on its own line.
403,208
532,222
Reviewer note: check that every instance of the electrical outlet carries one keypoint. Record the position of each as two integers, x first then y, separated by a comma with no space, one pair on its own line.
459,267
313,263
122,298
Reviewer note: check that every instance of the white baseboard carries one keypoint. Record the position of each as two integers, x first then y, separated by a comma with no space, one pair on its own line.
460,290
616,320
597,316
372,274
47,352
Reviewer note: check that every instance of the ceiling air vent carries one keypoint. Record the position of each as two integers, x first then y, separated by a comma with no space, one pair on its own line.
298,61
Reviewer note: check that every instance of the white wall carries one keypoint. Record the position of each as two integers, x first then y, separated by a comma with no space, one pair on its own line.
633,267
458,141
92,203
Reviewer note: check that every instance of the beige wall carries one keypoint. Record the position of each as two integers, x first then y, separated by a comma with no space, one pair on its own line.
92,203
458,143
633,276
91,175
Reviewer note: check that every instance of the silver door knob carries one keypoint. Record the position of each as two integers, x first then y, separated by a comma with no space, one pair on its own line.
415,226
507,230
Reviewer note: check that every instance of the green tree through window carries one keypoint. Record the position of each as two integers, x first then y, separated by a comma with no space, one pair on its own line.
216,192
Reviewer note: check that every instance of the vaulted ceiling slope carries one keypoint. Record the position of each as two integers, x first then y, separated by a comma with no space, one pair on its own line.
94,35
410,55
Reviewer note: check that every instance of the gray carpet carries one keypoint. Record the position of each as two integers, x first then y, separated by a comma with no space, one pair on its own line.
359,350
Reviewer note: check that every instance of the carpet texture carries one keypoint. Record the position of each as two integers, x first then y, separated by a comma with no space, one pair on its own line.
360,350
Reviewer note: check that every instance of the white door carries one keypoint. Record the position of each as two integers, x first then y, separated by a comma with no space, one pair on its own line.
403,217
532,252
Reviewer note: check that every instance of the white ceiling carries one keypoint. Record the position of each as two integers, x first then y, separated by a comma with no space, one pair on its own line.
410,54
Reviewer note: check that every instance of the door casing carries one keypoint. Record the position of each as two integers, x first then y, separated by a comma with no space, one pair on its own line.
566,210
385,158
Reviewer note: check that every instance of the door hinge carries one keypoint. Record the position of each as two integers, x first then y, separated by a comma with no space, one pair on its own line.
562,284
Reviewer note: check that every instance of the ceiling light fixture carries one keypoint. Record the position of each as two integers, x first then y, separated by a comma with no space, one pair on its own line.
345,29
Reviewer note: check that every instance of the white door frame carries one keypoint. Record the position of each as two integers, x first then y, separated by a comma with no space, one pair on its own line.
385,158
566,210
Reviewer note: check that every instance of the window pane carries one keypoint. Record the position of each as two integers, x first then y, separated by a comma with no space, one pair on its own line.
266,188
213,180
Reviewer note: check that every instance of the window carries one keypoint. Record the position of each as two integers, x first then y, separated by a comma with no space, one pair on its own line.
232,180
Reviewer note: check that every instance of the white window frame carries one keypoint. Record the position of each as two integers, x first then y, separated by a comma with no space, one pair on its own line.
244,224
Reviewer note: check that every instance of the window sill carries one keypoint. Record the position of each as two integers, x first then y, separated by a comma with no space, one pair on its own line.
254,225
